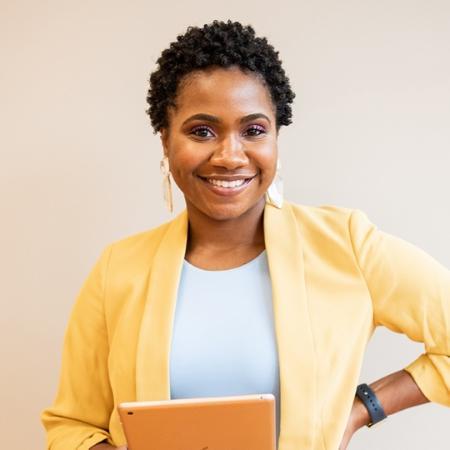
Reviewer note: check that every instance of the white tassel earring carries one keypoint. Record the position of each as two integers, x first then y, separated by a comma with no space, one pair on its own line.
274,195
167,184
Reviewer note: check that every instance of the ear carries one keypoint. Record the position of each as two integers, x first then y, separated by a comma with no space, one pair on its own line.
164,135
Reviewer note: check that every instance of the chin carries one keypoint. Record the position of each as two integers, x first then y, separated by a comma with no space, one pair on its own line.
228,211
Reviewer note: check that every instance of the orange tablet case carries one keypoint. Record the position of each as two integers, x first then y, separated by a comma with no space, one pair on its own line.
245,422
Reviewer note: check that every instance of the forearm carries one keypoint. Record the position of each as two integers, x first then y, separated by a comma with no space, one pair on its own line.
396,391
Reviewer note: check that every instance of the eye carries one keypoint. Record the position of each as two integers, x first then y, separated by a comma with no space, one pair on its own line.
202,132
255,130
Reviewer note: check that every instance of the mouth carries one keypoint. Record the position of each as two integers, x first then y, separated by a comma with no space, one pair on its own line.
227,186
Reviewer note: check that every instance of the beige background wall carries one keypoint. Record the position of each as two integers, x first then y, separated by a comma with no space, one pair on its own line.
79,163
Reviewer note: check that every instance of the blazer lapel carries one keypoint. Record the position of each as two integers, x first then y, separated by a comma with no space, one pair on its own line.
295,344
297,359
152,360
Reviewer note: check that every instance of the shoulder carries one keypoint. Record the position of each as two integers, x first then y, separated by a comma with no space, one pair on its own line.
330,229
333,222
321,215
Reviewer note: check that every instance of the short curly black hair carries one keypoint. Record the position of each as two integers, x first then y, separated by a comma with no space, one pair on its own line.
222,44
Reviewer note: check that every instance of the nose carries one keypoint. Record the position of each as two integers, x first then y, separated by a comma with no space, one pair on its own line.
229,154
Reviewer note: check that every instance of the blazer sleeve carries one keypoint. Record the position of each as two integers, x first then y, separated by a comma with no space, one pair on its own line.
410,292
79,416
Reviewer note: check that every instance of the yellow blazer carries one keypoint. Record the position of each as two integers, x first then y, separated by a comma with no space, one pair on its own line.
335,277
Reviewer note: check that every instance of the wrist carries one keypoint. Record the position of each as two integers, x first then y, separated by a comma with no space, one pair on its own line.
371,402
360,416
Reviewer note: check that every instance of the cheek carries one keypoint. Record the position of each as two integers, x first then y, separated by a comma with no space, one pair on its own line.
184,164
183,156
266,159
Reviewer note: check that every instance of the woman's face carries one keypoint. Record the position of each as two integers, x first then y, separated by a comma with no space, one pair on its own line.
222,142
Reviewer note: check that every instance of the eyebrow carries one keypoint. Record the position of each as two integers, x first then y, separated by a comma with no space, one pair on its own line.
215,119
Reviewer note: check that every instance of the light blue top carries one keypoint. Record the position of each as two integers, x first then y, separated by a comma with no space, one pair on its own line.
223,340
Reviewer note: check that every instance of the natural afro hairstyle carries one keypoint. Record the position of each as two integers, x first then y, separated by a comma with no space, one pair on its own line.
221,44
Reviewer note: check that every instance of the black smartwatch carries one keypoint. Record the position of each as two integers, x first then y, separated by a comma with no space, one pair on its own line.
371,402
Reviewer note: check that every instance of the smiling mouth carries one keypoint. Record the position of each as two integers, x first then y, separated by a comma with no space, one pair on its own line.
228,184
231,185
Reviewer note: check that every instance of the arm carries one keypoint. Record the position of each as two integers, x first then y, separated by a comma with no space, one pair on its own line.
396,392
79,417
410,293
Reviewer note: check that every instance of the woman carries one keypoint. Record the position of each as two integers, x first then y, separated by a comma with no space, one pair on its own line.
242,292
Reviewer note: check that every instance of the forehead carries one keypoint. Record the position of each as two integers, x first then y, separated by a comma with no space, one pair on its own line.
223,90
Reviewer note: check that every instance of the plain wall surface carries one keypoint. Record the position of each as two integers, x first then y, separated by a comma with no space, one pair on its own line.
79,164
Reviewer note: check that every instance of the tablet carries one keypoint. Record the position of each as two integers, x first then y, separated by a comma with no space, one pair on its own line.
245,422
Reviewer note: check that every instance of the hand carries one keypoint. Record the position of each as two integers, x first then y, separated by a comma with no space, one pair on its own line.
359,417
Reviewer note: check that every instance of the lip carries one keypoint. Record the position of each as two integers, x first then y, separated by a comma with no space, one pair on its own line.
235,177
227,192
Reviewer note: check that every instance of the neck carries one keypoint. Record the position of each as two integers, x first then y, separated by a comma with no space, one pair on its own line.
245,231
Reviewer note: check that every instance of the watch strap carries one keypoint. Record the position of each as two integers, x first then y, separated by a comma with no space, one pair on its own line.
371,402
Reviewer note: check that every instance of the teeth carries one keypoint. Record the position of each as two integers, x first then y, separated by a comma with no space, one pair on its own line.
226,184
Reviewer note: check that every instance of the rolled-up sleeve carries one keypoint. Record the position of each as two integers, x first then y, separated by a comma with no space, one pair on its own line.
410,292
79,416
